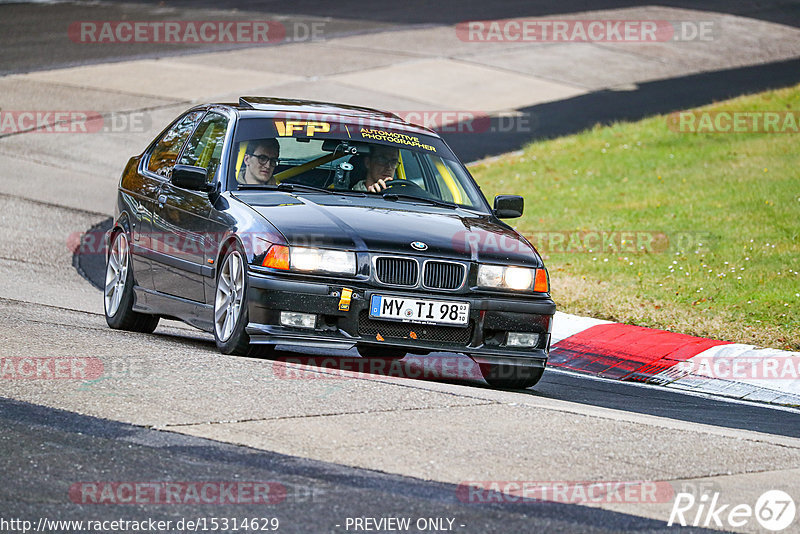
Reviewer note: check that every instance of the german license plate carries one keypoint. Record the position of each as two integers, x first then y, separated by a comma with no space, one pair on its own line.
413,310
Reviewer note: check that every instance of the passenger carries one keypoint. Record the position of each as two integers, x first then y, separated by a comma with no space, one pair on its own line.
380,165
260,162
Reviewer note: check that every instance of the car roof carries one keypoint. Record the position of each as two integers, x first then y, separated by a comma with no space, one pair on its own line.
272,106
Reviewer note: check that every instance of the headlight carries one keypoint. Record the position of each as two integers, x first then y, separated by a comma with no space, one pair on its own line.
490,275
517,278
322,260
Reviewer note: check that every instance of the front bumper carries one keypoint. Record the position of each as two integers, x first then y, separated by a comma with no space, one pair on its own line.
490,318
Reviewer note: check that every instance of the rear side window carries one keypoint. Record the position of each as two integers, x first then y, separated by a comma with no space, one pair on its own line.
166,151
204,148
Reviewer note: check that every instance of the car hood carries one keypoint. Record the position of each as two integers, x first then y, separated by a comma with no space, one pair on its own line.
377,225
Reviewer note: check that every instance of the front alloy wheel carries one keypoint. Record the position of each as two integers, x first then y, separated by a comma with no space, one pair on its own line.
230,305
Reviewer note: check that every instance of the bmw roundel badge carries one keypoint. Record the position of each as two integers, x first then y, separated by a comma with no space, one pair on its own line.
419,245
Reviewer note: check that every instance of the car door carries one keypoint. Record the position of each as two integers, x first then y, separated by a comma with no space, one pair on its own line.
154,170
183,227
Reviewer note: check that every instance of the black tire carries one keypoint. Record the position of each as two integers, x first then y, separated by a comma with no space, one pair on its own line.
232,340
118,291
511,376
380,353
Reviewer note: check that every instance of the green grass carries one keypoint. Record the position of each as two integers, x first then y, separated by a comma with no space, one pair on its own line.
728,204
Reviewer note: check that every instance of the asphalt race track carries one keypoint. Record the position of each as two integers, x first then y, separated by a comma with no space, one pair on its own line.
318,495
338,446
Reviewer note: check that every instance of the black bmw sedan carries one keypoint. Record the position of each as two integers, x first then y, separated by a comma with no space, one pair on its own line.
286,222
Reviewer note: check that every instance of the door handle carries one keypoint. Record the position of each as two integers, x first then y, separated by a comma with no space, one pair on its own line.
161,200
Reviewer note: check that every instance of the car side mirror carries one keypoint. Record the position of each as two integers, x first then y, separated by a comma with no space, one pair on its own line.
191,177
508,206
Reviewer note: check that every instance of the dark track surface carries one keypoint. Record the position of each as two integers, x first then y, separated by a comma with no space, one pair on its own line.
44,451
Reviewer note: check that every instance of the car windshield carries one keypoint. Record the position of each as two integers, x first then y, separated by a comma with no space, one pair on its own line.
338,157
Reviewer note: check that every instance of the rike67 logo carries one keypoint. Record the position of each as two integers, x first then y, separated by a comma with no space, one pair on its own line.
774,510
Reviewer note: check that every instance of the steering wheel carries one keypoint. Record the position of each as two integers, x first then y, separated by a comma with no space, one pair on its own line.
405,187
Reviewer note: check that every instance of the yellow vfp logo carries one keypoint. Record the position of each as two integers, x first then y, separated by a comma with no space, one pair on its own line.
286,128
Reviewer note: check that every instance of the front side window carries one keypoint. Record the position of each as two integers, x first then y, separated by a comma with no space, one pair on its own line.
204,148
162,158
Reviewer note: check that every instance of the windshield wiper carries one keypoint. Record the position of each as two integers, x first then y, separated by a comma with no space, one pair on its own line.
398,196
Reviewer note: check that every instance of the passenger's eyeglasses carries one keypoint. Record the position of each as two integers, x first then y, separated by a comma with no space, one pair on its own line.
380,160
265,160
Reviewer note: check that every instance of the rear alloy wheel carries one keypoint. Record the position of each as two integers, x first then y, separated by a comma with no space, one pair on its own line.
118,291
230,305
510,376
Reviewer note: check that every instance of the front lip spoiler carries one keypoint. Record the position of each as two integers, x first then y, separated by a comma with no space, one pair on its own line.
262,334
521,361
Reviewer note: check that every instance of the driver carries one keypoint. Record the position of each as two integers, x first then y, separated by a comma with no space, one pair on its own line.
380,164
260,162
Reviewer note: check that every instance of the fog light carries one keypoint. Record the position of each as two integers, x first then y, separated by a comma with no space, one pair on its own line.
522,339
298,320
